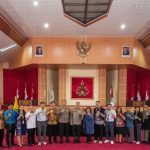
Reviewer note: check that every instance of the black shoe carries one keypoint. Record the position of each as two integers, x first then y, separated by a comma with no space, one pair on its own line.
75,140
55,142
30,145
14,144
8,146
89,142
67,141
78,142
50,142
55,139
61,142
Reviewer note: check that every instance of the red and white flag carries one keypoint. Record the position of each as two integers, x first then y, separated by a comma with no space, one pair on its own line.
17,94
111,95
25,92
52,95
32,92
147,94
138,94
111,92
132,92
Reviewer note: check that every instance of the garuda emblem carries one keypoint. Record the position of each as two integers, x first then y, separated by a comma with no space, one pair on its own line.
83,48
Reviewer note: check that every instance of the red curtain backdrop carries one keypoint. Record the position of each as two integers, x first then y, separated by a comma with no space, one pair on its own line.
137,78
17,78
88,85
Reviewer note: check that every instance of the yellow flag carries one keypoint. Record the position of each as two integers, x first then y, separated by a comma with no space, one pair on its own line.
16,105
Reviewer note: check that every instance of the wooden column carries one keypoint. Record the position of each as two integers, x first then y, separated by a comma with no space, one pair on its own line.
62,84
42,83
122,90
102,86
1,83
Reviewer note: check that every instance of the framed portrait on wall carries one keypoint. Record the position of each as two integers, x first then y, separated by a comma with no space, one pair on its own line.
39,50
126,51
82,88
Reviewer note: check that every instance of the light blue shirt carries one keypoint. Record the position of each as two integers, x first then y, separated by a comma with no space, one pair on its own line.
41,114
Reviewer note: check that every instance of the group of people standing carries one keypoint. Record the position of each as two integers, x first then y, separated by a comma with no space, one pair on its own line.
55,121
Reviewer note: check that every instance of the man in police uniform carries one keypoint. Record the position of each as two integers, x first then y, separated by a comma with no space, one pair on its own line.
76,121
63,119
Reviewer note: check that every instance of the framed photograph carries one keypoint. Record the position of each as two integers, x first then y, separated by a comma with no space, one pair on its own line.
82,88
39,50
126,51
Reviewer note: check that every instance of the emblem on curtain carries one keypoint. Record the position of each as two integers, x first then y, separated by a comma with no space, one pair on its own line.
83,48
82,90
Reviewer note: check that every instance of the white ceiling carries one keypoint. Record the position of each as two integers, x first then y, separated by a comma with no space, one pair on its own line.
31,19
8,55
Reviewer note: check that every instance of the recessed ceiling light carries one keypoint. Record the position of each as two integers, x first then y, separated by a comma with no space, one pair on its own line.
46,25
137,5
123,26
35,3
7,48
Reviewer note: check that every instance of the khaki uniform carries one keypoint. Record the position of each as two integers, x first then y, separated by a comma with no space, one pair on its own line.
63,118
63,115
76,121
76,117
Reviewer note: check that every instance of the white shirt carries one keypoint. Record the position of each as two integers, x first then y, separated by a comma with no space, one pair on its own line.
41,114
110,115
30,120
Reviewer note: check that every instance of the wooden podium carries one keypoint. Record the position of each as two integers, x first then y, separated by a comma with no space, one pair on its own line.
28,102
138,103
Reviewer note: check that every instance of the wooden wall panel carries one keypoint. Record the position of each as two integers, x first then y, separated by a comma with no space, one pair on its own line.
60,50
24,56
62,84
42,83
141,56
102,86
122,89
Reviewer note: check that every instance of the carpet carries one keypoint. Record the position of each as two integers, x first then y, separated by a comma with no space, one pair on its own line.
82,146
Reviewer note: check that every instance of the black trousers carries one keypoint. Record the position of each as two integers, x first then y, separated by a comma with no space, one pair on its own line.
10,132
52,131
64,131
31,134
98,131
1,136
89,137
76,132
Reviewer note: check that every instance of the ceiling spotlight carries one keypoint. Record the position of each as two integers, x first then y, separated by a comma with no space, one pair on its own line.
35,3
46,25
123,26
